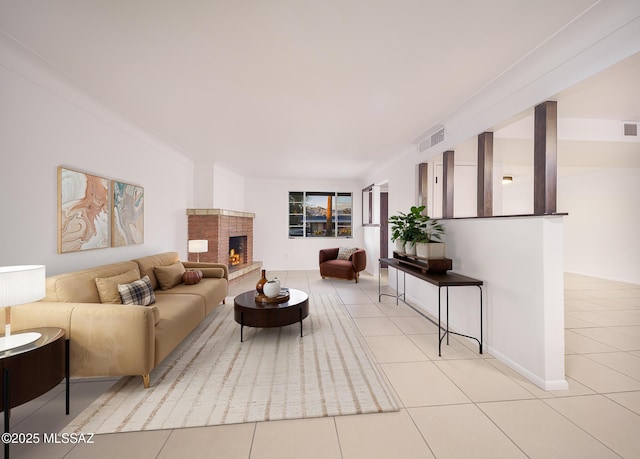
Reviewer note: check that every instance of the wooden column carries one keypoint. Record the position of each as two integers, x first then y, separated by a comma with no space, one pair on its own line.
447,184
423,190
545,159
485,174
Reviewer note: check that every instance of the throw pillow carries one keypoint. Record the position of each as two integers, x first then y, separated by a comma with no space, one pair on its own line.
217,273
192,276
138,292
108,286
344,253
169,276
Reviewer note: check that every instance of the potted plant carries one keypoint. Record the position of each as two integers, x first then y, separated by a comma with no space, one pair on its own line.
414,228
398,227
407,229
429,245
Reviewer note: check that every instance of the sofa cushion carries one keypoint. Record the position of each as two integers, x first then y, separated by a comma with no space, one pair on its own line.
169,276
344,253
108,286
80,286
179,315
211,292
137,292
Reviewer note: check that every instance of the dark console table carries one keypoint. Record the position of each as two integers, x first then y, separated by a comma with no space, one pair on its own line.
439,279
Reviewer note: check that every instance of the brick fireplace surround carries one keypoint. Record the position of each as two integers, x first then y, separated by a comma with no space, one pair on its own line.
217,226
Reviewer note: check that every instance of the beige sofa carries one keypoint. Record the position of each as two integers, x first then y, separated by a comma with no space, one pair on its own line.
121,339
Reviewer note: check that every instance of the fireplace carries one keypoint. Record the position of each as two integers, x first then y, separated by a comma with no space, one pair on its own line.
226,230
237,251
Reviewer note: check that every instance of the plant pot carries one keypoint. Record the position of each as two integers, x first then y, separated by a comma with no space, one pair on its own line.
399,245
410,248
430,250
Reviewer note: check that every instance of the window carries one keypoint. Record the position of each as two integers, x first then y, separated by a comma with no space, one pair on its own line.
319,214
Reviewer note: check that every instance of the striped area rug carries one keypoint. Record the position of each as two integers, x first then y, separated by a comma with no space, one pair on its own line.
213,379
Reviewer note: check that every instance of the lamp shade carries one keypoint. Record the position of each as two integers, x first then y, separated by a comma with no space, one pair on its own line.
21,284
198,246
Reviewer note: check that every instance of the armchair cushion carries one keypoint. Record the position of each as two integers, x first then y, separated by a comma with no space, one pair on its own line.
344,253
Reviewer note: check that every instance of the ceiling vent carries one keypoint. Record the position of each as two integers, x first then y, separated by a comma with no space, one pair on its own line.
631,129
434,139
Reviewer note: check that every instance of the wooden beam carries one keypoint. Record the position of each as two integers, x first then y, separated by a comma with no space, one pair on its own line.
485,175
545,159
447,184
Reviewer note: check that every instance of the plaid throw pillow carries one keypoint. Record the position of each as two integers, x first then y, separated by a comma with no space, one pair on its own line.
344,253
139,292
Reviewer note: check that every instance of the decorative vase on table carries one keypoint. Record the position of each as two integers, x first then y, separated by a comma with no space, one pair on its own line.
261,282
272,288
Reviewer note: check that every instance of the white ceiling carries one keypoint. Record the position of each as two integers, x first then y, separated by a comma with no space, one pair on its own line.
314,89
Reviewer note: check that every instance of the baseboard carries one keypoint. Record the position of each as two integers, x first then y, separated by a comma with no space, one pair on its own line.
551,384
600,276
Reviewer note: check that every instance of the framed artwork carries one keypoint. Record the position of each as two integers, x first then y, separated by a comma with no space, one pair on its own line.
83,211
127,219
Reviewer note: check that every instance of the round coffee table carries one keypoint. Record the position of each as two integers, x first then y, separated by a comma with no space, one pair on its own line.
252,313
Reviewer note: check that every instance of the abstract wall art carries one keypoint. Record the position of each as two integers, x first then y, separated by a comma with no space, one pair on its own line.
83,211
127,220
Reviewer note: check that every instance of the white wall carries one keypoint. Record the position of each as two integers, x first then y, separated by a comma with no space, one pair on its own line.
228,189
269,200
520,261
203,185
46,121
603,223
371,244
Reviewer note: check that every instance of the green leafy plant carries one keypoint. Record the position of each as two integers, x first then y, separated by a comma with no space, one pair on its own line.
398,227
432,231
415,223
415,227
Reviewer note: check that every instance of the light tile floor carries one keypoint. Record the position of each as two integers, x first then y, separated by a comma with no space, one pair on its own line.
456,406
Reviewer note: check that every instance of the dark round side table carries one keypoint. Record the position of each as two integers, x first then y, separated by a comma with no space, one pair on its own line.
247,311
33,369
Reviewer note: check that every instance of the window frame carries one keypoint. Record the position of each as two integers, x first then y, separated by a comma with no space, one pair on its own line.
300,226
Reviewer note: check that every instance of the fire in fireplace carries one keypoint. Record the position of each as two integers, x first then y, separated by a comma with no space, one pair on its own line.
237,250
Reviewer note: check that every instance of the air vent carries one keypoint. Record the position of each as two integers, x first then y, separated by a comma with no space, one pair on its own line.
631,129
435,138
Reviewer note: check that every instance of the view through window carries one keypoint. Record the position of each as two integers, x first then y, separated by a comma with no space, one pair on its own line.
320,214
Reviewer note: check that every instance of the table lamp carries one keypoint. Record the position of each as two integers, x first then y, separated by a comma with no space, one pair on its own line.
198,246
19,285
